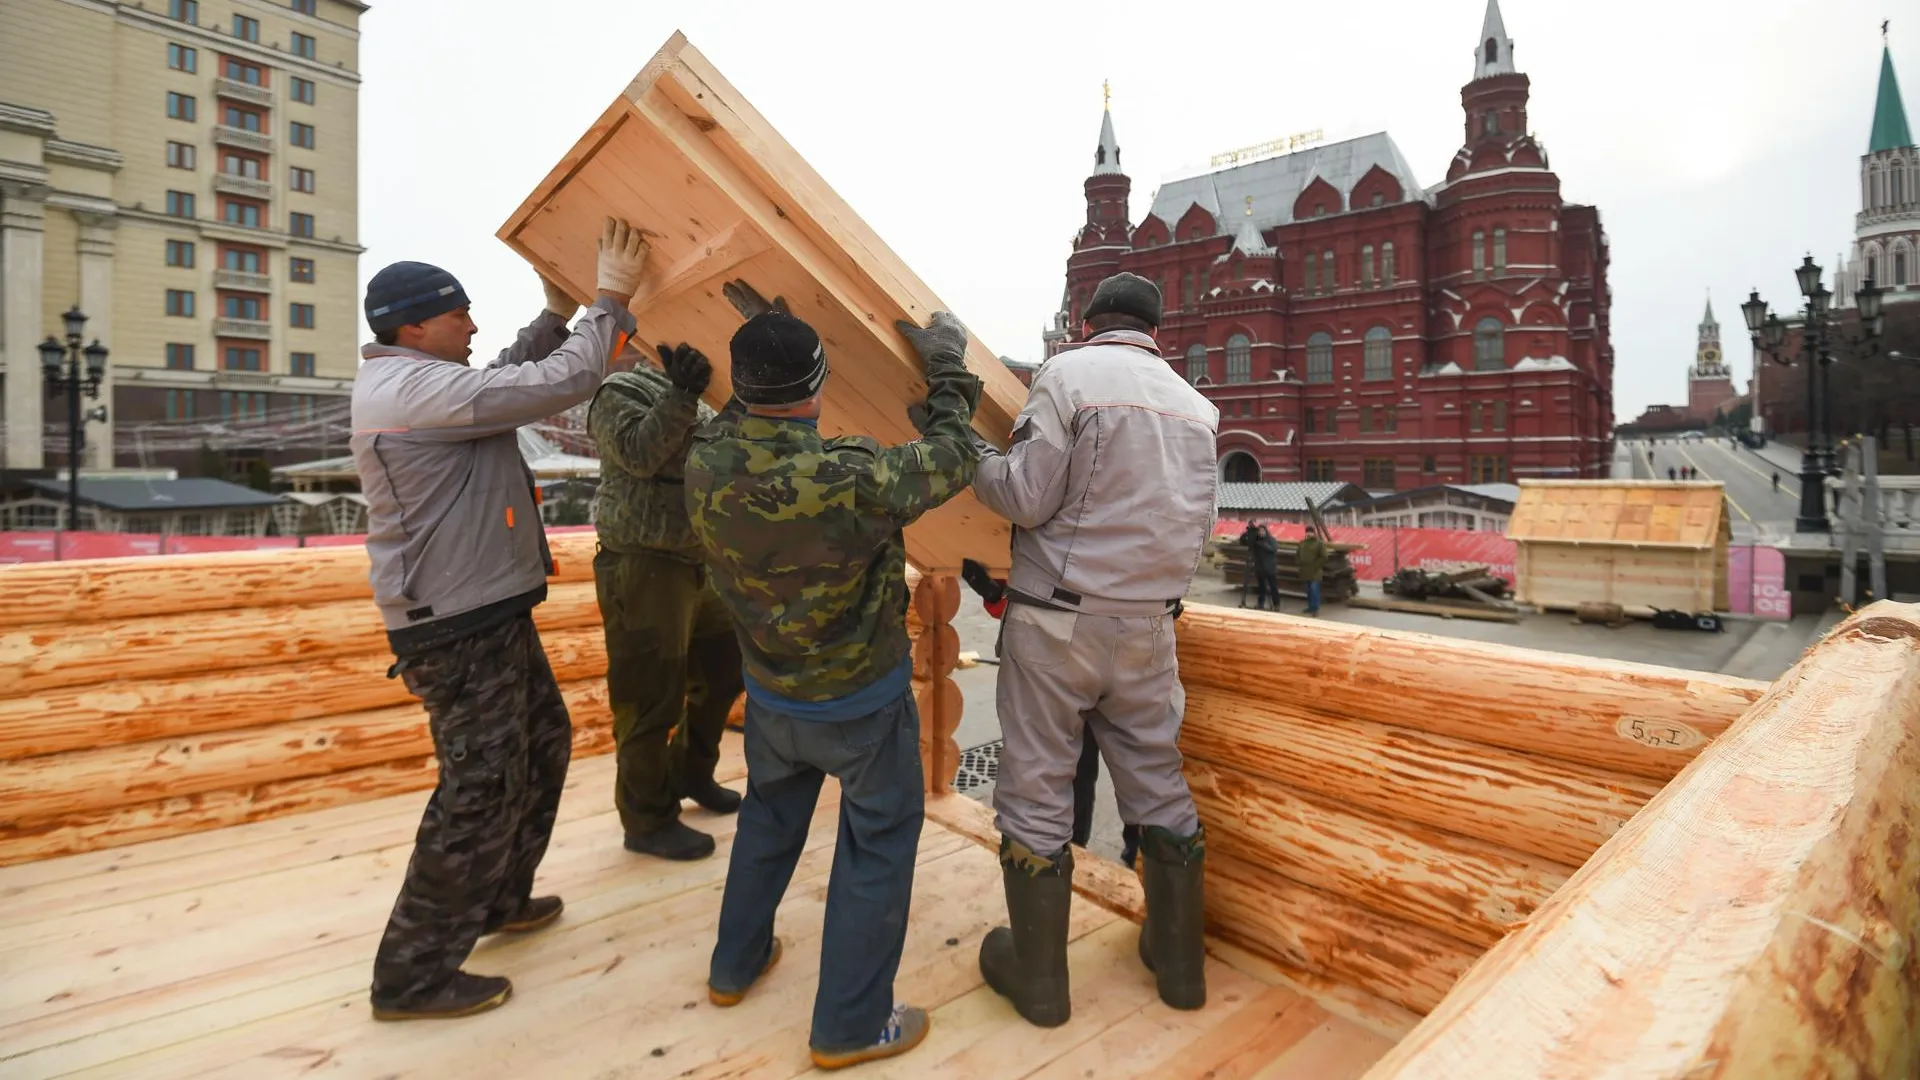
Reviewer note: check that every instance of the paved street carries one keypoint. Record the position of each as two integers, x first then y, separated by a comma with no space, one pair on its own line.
1761,513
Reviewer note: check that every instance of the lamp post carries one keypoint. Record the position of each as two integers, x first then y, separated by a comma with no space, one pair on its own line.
1817,335
83,371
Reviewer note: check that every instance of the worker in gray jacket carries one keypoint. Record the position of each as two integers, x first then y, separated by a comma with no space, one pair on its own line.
1109,483
459,562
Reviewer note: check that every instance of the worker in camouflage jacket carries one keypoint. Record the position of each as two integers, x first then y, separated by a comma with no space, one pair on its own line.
804,538
673,667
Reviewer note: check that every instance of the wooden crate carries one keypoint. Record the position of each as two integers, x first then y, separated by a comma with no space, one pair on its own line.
721,195
1640,544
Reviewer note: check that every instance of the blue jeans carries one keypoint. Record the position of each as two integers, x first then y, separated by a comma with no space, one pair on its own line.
876,758
1313,597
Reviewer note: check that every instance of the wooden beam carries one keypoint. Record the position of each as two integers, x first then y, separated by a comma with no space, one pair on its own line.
734,245
936,651
1759,918
1634,718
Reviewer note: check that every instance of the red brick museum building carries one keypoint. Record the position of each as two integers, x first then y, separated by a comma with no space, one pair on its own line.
1354,326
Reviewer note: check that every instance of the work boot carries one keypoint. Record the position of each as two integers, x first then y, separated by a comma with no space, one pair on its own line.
674,840
727,999
709,794
906,1028
1171,943
464,995
537,912
1027,963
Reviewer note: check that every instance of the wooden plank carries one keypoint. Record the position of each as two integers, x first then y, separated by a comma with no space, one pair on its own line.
1540,806
99,589
1468,889
49,657
1245,1024
1757,919
1439,610
1635,718
684,155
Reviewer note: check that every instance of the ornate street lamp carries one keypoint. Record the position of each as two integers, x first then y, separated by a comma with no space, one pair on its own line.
85,369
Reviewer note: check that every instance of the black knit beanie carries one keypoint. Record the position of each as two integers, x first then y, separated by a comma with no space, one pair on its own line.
411,292
777,360
1127,294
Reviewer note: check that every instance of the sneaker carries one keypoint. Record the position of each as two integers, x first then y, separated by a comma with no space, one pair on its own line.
906,1029
464,995
727,999
674,840
537,912
709,794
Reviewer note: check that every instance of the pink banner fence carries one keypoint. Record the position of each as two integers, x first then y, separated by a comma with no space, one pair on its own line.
25,547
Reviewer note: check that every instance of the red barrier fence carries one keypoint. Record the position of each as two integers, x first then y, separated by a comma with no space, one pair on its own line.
25,547
1386,549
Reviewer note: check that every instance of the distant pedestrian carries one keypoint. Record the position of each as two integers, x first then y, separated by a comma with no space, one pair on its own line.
1312,560
1672,473
1776,479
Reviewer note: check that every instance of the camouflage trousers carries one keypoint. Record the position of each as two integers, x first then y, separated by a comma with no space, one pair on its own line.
673,672
501,732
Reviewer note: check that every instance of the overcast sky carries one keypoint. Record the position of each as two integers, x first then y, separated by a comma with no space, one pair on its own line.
1720,139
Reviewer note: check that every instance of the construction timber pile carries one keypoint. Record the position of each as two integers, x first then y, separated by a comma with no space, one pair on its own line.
1518,865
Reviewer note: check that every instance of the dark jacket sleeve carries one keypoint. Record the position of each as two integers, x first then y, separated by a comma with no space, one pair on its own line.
638,427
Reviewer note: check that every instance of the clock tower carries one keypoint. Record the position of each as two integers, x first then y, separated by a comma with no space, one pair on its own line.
1709,380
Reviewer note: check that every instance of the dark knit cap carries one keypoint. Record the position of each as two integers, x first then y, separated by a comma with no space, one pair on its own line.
777,360
1127,294
411,292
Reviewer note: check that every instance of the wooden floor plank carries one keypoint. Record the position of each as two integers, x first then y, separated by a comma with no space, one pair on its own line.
1336,1050
1158,1041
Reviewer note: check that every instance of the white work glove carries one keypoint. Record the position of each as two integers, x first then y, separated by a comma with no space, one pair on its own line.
558,301
623,254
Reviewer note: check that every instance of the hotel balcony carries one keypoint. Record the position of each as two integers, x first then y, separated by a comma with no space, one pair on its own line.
243,328
230,184
239,91
241,138
245,280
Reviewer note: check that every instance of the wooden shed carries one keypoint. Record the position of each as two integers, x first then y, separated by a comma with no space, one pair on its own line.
1642,544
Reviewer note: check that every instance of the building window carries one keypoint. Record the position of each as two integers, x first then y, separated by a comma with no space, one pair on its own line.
1377,474
240,358
246,29
1239,359
183,58
181,107
1499,251
300,224
180,253
180,302
241,71
179,403
1311,423
303,45
300,270
1386,263
1366,266
1428,465
300,316
1366,420
1378,198
182,155
180,204
1900,268
186,11
1379,354
305,7
1196,363
179,357
1490,122
1489,345
1313,273
302,363
1333,280
1499,416
300,179
1488,469
1873,267
244,214
245,119
1479,253
303,90
300,135
1320,469
1475,417
1392,419
242,166
1320,358
241,307
240,259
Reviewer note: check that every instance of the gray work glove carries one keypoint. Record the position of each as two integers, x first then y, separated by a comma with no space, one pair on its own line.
748,302
942,343
687,369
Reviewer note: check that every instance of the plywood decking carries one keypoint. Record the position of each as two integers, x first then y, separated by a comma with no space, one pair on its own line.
245,952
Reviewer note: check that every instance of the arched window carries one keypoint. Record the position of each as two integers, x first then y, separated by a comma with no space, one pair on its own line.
1493,51
1499,251
1366,266
1186,289
1320,358
1313,273
1379,354
1900,266
1239,359
1490,123
1873,268
1386,263
1196,363
1479,253
1489,345
1333,280
1239,468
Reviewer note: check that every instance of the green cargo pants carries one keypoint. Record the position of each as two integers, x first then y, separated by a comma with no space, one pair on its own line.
673,671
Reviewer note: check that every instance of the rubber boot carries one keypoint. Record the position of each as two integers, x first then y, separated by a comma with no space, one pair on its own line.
1171,943
1027,963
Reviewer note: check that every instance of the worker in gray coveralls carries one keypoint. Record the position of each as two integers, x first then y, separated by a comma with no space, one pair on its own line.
1109,483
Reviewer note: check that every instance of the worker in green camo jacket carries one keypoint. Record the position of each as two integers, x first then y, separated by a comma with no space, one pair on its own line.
1312,559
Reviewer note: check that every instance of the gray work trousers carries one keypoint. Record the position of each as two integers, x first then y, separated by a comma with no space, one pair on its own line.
1062,669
